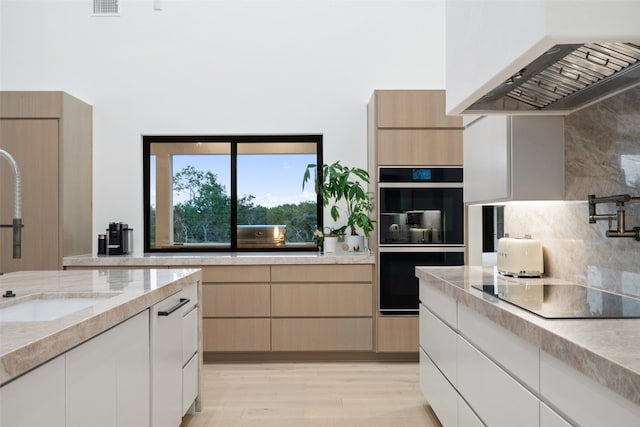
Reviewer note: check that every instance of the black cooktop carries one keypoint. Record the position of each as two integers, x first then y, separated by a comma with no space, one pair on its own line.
565,301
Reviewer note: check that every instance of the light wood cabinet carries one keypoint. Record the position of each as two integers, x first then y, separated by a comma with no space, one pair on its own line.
404,146
50,136
322,307
236,334
397,334
236,300
321,300
322,334
236,308
413,109
410,128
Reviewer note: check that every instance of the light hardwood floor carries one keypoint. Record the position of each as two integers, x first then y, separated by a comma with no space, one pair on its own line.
336,394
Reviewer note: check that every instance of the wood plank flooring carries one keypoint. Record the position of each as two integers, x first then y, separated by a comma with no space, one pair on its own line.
312,394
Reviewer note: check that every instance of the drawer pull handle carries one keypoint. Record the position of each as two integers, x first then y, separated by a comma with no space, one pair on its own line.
183,301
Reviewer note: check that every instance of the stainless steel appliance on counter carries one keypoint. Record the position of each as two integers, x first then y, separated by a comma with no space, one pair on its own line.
421,223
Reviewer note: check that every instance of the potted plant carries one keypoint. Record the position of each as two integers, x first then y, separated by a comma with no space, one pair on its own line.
336,182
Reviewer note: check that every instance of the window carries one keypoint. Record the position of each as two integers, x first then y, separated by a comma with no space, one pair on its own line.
229,193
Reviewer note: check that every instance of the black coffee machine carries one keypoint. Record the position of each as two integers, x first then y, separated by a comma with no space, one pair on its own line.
119,239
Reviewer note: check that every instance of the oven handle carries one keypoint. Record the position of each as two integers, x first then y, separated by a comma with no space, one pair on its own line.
419,185
452,248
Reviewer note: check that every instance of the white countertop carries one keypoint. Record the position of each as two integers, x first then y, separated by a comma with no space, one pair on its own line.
606,350
26,344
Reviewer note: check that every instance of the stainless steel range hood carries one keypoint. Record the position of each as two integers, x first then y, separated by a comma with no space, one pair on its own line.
565,78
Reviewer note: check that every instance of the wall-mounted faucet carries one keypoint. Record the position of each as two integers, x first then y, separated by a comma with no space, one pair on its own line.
618,217
17,205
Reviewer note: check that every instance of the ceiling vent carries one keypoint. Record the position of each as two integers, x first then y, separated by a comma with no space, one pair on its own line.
105,7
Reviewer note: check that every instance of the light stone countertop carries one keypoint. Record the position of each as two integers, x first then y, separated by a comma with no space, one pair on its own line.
26,345
607,351
219,258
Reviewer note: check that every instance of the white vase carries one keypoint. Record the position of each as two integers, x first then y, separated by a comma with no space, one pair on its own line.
355,243
330,244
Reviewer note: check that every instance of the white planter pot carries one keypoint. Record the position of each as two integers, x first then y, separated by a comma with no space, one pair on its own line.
355,242
330,244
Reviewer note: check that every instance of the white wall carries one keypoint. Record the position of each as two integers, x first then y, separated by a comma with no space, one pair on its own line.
216,67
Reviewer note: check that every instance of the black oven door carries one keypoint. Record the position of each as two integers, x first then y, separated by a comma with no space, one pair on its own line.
398,284
421,215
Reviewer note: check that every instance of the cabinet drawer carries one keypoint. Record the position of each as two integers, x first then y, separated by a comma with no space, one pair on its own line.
321,299
439,342
399,147
398,334
486,387
442,305
189,335
519,357
236,334
321,273
236,300
441,395
189,383
585,401
236,274
334,334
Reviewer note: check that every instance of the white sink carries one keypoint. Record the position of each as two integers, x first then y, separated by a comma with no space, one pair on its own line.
45,307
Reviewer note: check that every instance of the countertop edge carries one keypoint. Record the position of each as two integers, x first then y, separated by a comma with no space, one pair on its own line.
617,377
38,352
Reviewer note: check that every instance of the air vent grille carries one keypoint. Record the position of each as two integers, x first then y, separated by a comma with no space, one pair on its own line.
586,65
105,7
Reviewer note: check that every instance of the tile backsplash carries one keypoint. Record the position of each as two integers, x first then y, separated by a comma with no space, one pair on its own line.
602,157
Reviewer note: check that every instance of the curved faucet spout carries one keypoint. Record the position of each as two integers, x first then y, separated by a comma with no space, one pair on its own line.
17,204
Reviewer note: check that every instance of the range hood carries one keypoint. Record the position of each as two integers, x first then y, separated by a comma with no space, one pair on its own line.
548,57
565,78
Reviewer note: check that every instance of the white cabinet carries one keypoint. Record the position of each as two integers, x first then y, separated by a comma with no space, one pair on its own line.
172,341
582,399
516,355
107,378
497,398
439,393
36,398
514,158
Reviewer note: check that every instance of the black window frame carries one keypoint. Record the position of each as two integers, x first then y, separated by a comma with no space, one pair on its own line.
234,140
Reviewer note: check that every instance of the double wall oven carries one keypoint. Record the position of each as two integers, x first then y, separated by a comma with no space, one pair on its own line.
420,223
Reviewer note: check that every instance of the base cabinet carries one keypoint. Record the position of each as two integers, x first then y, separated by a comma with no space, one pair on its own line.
107,378
495,378
171,343
397,334
36,398
483,383
440,394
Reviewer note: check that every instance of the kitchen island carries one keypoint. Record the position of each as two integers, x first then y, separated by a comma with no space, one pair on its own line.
63,345
481,350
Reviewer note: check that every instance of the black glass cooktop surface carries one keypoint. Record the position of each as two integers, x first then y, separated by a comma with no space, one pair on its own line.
565,301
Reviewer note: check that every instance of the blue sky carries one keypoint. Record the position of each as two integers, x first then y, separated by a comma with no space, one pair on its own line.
273,179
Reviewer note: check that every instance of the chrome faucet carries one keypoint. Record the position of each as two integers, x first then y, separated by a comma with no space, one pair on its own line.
618,217
17,205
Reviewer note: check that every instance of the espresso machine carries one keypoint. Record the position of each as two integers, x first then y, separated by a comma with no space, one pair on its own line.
119,239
